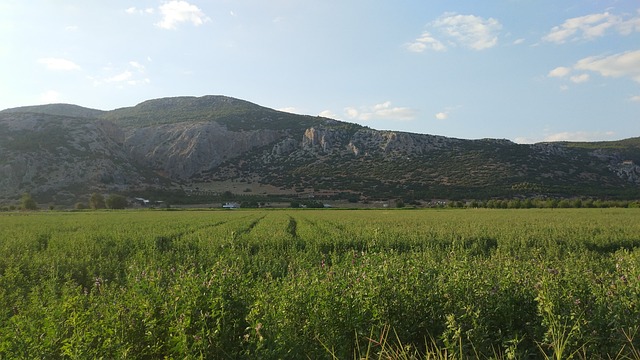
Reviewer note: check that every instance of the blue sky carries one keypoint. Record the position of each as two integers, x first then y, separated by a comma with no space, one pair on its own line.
524,70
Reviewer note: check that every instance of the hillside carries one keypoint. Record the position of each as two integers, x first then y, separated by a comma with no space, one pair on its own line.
63,152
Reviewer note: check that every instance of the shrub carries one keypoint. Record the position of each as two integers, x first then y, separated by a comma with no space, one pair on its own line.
27,202
115,201
96,201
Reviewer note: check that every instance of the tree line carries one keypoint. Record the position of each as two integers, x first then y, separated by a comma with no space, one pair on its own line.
97,201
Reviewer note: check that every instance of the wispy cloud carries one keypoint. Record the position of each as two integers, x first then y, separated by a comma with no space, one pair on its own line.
626,64
469,31
59,64
592,26
580,136
444,115
568,136
135,10
380,111
425,42
289,109
560,71
328,114
176,12
635,98
581,78
134,73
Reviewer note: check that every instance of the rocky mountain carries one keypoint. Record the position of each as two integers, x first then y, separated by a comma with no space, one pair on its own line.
62,152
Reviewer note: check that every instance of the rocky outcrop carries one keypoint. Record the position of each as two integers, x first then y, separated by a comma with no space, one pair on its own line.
368,141
324,140
46,154
627,170
185,149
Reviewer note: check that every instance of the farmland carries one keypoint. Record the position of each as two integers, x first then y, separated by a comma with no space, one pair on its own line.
271,284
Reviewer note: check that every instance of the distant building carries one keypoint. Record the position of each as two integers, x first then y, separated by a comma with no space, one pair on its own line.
142,202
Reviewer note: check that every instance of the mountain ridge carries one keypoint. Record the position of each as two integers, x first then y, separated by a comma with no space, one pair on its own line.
186,142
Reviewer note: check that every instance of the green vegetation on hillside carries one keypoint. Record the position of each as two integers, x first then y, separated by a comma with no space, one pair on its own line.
235,114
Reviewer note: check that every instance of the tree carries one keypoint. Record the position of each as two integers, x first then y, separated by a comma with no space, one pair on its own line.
27,202
115,201
96,201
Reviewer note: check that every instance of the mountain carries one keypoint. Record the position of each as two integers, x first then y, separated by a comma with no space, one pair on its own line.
61,153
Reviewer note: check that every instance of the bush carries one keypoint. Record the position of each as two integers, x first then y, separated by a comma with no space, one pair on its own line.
27,202
115,201
96,201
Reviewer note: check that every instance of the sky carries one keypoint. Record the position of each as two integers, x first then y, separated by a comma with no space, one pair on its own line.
523,70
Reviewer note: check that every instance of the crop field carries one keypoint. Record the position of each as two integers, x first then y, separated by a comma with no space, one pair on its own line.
321,284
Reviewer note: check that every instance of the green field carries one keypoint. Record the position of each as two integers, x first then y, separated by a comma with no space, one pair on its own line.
278,284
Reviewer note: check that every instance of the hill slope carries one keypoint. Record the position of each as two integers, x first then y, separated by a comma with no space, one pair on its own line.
65,151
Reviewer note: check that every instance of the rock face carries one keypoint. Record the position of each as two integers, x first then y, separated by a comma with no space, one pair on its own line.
65,151
50,154
185,149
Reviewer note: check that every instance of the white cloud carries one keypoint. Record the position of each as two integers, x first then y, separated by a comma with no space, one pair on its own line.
177,11
383,111
518,41
560,71
625,64
443,115
470,31
289,109
567,136
592,26
328,114
446,113
59,64
631,25
132,74
134,10
579,136
578,79
524,140
351,112
426,42
635,98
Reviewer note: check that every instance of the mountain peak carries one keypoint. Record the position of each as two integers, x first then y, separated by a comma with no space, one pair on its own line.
69,110
193,102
